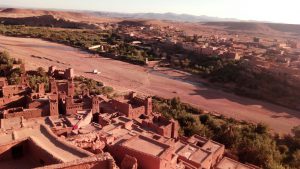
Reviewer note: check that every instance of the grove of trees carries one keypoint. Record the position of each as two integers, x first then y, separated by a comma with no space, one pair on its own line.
246,142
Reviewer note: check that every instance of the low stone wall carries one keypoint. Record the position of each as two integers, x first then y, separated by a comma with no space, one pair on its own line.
64,144
27,114
5,100
103,161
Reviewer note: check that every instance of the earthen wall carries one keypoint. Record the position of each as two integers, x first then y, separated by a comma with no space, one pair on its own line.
145,161
26,114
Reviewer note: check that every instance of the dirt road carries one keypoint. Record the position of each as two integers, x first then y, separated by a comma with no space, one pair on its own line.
123,76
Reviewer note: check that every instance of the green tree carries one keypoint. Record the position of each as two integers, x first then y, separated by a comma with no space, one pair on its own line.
204,118
260,150
296,131
41,71
261,128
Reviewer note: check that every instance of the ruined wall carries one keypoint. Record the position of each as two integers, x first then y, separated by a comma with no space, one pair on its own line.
26,114
4,101
145,161
122,107
136,112
10,91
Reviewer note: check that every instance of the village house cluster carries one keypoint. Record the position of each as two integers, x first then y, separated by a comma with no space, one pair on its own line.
221,44
57,129
279,56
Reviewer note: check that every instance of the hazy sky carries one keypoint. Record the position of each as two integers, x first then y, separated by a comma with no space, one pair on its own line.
286,11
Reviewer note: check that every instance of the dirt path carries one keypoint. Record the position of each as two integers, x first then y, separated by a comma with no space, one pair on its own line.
123,76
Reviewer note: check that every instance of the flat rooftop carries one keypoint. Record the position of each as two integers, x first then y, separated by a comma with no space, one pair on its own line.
200,141
211,146
178,146
148,145
199,156
193,153
227,163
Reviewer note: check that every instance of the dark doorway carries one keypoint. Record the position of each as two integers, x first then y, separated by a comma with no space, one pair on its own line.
42,162
17,152
96,118
61,107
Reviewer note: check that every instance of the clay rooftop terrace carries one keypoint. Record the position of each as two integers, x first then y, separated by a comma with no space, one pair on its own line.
227,163
146,145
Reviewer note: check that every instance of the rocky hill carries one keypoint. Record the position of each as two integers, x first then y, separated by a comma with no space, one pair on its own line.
46,21
258,27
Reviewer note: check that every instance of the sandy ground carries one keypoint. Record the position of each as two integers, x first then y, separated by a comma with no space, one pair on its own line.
124,77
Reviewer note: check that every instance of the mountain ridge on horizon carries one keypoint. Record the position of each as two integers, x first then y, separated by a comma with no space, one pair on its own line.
147,15
170,16
163,16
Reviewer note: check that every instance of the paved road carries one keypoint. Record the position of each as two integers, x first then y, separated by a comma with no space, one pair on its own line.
125,77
